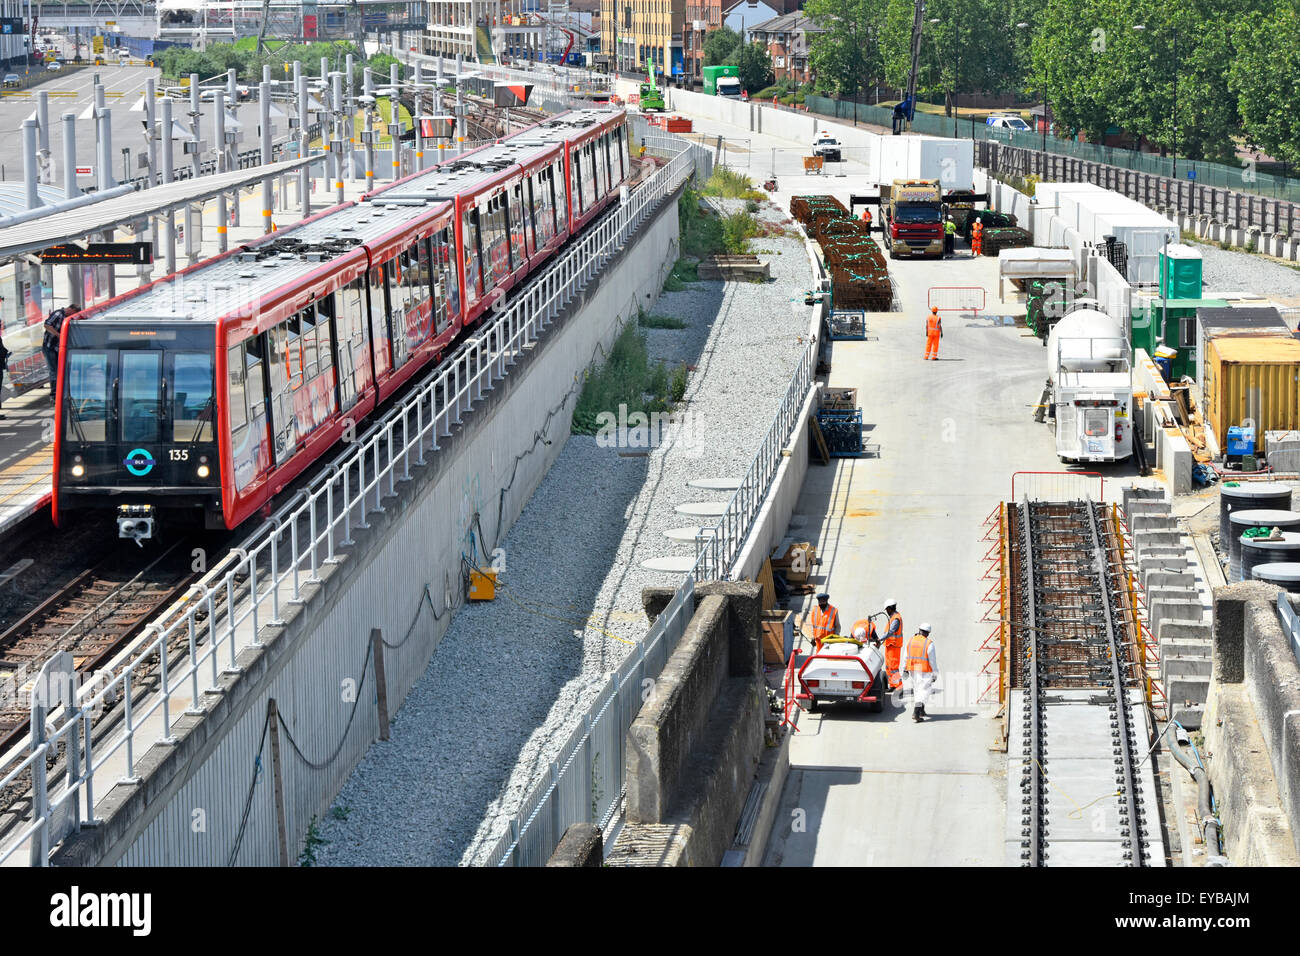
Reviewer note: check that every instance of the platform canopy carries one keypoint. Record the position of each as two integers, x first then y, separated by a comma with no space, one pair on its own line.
60,227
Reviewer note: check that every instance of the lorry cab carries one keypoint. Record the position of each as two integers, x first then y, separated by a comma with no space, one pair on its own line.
728,87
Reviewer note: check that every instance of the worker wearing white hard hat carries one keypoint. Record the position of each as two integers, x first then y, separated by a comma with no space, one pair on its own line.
922,667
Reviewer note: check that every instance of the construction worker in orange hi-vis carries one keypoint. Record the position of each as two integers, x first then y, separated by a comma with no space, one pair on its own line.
864,629
824,620
977,238
893,644
921,667
866,215
933,333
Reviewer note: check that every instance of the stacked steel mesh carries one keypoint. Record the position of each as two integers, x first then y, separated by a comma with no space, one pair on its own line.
859,276
1009,237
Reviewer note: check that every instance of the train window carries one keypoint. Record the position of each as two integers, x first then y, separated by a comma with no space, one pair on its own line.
521,225
140,390
396,271
472,255
253,355
283,433
561,196
310,352
237,405
379,317
588,176
191,397
447,286
293,353
625,150
419,287
351,325
600,179
87,377
575,193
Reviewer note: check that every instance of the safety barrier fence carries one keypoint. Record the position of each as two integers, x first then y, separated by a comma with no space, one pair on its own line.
1291,621
186,650
1194,172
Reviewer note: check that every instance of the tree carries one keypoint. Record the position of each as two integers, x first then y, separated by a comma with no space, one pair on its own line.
755,67
1263,76
721,47
845,55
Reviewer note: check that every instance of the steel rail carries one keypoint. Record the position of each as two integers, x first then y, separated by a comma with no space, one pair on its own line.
1124,729
1033,703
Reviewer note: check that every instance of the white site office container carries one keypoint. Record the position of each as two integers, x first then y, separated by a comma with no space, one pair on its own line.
1143,235
1091,212
950,161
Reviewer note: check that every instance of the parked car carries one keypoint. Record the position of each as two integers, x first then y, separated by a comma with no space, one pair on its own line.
13,79
55,65
1013,123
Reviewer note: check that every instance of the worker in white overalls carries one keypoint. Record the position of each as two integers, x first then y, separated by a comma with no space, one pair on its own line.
921,667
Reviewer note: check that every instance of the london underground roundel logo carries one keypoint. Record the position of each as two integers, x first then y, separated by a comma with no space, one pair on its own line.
139,462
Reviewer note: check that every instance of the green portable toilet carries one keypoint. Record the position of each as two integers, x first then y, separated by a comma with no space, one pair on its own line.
1180,272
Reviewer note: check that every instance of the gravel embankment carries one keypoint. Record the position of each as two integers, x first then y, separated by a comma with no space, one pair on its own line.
1224,271
512,677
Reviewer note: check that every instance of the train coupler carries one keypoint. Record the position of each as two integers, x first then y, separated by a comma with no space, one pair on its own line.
135,522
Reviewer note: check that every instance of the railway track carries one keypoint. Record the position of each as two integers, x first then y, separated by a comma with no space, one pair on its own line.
91,617
1085,792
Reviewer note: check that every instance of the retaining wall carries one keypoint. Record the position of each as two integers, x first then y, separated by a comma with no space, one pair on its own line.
207,799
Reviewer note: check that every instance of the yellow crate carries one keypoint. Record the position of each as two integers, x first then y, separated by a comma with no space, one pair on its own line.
482,584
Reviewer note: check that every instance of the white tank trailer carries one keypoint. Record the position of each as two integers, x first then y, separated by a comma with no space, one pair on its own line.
1090,387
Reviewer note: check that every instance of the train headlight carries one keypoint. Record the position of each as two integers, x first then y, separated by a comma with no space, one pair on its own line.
203,471
78,471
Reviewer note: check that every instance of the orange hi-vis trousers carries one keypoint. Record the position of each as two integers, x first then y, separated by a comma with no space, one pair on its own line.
932,346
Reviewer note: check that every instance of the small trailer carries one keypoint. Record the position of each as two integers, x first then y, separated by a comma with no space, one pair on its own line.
842,668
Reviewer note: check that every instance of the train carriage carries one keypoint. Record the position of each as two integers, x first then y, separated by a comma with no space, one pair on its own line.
195,399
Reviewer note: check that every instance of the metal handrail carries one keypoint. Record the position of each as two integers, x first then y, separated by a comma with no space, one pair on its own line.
268,564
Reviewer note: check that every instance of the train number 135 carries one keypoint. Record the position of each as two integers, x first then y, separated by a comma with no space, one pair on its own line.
178,454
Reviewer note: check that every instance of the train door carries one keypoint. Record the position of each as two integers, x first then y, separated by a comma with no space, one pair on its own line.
447,281
284,377
471,255
351,342
522,235
250,444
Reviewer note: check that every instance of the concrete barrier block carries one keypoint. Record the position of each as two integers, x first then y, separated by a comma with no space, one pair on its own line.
1172,667
1155,539
1193,632
1173,605
1147,506
1170,579
1189,715
1152,522
1185,690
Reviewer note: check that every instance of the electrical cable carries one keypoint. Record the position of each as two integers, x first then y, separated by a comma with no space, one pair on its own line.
356,702
252,786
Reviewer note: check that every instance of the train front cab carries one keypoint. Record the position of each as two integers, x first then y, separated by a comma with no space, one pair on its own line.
136,419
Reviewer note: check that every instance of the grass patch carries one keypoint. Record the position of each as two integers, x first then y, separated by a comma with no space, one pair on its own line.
629,378
737,229
682,272
729,184
648,321
311,844
701,229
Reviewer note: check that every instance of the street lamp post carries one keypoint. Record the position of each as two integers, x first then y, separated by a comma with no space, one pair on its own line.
1174,113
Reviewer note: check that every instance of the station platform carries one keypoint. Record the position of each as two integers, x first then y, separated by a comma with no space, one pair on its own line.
26,454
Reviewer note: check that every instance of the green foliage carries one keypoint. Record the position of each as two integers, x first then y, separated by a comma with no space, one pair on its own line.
700,229
737,229
677,386
627,378
242,56
755,67
847,58
1262,73
340,812
311,844
720,47
729,184
751,205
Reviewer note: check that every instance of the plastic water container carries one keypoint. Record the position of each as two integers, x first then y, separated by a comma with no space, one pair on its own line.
1249,494
1255,551
1255,518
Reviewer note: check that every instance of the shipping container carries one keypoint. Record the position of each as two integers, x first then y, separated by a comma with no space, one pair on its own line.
1213,322
950,161
1252,379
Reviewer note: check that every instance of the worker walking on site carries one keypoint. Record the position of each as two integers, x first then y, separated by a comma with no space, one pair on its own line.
922,667
824,619
866,216
933,333
977,238
949,235
893,645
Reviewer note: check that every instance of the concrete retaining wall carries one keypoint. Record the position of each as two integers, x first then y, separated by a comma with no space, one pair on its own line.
1253,651
693,750
210,792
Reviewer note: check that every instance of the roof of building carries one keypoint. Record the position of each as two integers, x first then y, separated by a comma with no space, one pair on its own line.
787,23
13,197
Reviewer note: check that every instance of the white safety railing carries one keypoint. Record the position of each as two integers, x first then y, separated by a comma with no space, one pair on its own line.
186,650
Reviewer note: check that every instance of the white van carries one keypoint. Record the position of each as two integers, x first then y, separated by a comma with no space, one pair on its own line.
1013,123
